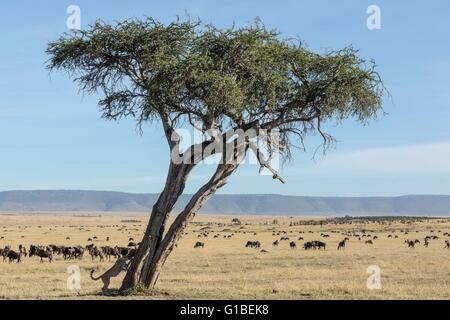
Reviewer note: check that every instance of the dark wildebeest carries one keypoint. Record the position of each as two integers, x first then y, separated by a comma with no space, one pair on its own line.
292,245
319,244
41,252
341,244
253,244
410,243
56,249
447,244
68,253
109,251
4,252
95,252
199,244
275,243
369,242
78,252
12,255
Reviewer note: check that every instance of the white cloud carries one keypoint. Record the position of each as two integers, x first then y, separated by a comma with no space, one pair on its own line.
415,160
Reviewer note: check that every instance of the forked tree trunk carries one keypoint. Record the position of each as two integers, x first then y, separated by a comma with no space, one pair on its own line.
155,247
152,268
153,236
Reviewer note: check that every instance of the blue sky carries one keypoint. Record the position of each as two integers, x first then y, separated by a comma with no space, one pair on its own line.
51,137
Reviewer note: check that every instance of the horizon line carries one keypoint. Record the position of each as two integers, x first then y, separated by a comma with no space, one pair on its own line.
223,194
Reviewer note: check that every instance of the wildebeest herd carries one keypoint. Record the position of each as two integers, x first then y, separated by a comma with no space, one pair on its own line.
68,252
318,245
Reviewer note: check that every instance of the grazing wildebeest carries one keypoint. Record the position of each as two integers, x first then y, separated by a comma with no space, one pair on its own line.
319,244
369,242
72,252
12,255
95,252
56,249
314,245
308,245
300,238
109,251
447,244
253,244
68,253
41,252
410,243
78,252
275,243
292,245
132,244
199,244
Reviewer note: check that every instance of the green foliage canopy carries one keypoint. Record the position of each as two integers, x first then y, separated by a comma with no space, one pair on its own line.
185,72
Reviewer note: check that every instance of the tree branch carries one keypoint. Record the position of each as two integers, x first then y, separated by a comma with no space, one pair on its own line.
264,163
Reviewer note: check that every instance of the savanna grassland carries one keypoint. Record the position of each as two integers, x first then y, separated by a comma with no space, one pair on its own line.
226,269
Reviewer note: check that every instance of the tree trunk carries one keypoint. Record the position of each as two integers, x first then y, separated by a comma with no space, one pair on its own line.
154,249
152,238
154,266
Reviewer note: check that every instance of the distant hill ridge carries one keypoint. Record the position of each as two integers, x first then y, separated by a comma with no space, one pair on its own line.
250,204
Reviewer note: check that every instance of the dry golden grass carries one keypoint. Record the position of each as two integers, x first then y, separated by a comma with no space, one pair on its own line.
225,269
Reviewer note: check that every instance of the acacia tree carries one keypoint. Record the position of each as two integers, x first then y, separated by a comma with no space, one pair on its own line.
185,73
